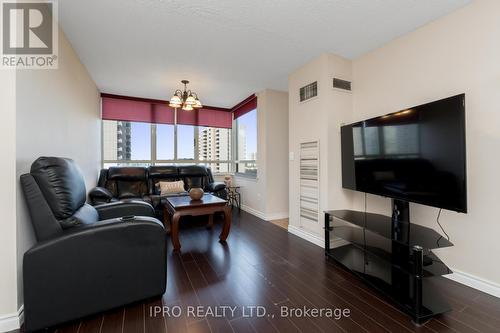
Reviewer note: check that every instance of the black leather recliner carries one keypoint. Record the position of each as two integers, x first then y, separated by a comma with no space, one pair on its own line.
118,183
87,259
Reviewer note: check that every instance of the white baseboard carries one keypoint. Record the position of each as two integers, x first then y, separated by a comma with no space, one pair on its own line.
252,211
475,282
276,216
265,217
467,279
308,236
12,321
315,239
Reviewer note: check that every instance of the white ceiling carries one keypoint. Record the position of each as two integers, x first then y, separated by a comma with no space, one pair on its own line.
228,49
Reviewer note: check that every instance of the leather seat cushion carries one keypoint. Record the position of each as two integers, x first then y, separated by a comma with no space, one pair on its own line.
131,189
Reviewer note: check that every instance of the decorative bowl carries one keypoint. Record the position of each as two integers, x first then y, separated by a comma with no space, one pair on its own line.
196,193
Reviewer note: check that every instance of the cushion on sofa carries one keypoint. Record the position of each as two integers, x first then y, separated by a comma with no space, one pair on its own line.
171,187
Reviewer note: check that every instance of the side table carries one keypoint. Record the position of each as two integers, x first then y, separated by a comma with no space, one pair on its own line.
234,196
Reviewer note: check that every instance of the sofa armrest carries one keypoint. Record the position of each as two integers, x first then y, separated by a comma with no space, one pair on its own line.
215,187
100,195
124,208
92,269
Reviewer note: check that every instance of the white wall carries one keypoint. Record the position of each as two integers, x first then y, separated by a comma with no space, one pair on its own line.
276,122
8,275
58,114
266,196
318,119
459,53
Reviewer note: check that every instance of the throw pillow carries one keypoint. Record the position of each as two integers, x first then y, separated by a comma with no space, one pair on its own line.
171,187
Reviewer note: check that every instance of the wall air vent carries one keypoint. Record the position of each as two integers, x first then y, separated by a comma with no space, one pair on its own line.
309,91
341,84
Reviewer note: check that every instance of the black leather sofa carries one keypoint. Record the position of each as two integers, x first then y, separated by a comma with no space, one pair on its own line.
139,183
87,259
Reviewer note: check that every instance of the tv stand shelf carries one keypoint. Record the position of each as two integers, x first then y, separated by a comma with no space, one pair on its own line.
392,256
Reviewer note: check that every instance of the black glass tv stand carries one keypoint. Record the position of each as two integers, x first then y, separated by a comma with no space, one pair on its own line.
391,255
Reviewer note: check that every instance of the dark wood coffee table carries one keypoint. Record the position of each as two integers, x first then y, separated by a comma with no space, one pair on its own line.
178,206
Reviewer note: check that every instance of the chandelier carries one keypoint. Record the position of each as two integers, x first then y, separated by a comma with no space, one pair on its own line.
187,99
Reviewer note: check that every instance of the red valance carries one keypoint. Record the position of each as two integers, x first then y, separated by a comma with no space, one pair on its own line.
124,108
187,117
135,110
215,118
245,106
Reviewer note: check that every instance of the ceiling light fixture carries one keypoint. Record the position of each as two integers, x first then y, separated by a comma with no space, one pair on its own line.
187,99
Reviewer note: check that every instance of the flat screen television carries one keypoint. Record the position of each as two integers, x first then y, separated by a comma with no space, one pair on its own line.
415,155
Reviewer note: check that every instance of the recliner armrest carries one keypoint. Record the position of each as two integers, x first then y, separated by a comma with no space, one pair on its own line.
124,208
100,195
93,268
215,187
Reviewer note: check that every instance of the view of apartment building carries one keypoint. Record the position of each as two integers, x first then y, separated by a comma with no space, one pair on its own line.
214,144
117,140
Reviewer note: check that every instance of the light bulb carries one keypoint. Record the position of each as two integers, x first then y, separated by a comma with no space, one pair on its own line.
197,104
190,100
175,100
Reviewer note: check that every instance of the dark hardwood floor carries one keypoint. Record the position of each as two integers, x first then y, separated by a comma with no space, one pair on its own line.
263,265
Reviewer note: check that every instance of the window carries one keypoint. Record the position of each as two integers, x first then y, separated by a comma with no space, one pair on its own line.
246,144
141,132
214,144
165,142
185,142
140,141
126,141
142,144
